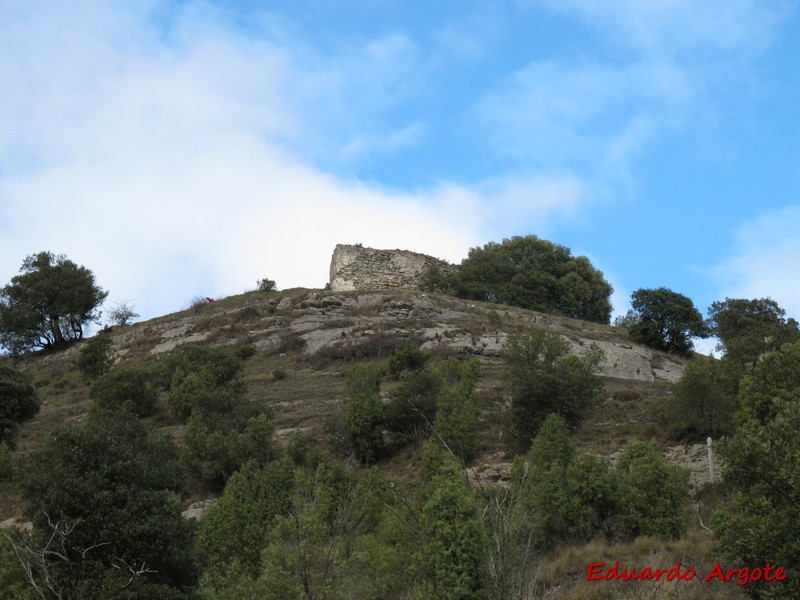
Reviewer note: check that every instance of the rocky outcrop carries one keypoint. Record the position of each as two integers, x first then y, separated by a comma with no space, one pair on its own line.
359,268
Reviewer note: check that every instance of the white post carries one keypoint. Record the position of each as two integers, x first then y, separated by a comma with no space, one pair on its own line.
710,459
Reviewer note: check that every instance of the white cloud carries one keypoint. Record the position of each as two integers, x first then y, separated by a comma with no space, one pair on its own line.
672,59
595,115
182,168
679,27
765,263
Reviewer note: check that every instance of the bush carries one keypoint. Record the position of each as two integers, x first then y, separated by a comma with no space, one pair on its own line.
196,392
221,364
234,530
701,404
374,345
266,285
459,408
450,557
127,388
544,378
652,493
543,486
433,280
112,482
96,356
408,358
213,452
244,351
18,403
412,406
364,412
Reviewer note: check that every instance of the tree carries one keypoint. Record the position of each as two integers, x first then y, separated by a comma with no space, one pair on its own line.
761,470
652,493
768,384
215,447
543,378
459,408
128,388
412,406
763,523
48,304
234,531
18,403
97,356
266,285
701,404
450,556
665,320
532,273
102,491
122,313
565,497
364,411
747,328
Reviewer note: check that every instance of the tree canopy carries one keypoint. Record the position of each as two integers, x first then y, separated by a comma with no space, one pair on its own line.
48,304
665,320
104,487
543,377
761,471
747,328
532,273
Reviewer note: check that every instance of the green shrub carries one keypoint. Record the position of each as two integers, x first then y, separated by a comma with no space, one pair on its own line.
459,408
407,358
212,452
128,388
110,479
543,377
18,403
374,345
234,530
364,412
244,351
412,406
196,392
701,404
221,364
96,356
652,493
450,558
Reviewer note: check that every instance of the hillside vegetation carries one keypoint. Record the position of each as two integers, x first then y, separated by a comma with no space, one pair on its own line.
346,486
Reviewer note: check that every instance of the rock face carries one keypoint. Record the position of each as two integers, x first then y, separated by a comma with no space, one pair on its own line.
359,268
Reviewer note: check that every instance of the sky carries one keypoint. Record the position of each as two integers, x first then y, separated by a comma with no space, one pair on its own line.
187,148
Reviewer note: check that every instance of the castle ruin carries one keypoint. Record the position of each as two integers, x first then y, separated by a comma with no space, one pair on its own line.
354,267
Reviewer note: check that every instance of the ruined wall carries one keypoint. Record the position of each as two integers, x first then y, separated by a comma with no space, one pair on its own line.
360,268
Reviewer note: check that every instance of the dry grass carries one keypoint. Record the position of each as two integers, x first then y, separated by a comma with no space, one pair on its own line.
563,574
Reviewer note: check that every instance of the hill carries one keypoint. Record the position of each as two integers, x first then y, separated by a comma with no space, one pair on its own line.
304,339
299,342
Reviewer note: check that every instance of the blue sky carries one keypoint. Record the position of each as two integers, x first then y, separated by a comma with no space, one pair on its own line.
189,148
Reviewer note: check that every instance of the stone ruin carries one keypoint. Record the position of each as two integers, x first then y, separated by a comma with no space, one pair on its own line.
354,267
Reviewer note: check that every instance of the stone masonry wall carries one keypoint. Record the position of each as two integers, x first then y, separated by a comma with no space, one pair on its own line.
360,268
